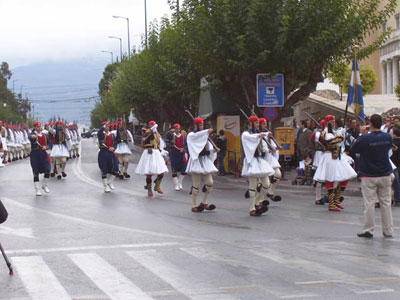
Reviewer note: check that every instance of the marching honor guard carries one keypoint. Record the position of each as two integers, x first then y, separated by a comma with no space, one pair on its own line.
107,160
201,164
3,140
151,162
11,144
177,156
124,140
272,157
319,151
333,166
59,151
256,167
40,161
27,143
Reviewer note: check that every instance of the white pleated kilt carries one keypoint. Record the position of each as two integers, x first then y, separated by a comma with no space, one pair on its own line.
123,148
334,169
258,167
203,165
272,161
317,158
59,150
151,164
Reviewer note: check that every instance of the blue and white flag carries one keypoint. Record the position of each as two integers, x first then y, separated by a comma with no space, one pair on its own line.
355,96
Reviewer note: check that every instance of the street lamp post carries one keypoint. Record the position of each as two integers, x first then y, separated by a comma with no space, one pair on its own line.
112,56
14,86
120,43
145,22
129,43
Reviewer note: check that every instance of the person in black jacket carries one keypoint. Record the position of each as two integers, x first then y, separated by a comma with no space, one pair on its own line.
221,144
375,170
396,160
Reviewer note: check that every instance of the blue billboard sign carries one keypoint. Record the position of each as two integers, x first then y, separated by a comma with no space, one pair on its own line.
270,90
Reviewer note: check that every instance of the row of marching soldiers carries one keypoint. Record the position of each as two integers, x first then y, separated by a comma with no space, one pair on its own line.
195,154
51,146
14,142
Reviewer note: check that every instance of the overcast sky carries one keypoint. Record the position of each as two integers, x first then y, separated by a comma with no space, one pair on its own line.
35,30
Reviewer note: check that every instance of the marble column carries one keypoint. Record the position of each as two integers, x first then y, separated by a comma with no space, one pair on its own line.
395,72
383,77
389,79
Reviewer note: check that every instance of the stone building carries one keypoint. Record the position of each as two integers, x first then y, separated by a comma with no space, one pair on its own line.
385,61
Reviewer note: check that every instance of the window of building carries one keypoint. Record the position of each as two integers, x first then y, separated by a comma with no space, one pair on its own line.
384,26
398,21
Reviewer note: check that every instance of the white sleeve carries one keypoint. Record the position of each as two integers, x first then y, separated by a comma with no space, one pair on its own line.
196,142
250,143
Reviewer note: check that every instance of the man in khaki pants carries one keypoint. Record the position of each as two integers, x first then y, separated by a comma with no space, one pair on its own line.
375,170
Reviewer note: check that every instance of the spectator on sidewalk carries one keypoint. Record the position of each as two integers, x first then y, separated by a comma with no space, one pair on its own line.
387,127
221,144
304,143
396,160
375,170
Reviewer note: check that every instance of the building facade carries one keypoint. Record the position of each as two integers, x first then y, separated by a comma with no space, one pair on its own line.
385,61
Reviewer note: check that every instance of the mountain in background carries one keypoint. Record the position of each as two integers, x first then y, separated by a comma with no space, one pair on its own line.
67,89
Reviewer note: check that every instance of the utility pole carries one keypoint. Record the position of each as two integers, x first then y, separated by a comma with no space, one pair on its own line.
145,22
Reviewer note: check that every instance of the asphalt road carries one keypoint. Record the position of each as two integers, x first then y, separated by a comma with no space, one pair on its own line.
79,243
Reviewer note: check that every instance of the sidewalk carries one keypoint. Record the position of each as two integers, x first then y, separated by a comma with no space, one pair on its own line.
353,188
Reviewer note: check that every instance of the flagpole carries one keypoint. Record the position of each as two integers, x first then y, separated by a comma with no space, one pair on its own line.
356,47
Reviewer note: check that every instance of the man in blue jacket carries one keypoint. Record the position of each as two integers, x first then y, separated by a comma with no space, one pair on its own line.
375,170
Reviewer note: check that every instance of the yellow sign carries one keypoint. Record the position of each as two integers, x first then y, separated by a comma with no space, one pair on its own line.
285,137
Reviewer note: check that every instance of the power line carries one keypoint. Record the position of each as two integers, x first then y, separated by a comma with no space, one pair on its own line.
59,86
63,92
86,99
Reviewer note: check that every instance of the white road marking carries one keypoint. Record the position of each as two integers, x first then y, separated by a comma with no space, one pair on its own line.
40,282
92,223
107,278
85,248
338,249
212,255
375,291
185,282
21,232
353,283
299,296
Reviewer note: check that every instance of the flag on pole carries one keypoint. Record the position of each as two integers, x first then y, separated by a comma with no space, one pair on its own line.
131,119
355,96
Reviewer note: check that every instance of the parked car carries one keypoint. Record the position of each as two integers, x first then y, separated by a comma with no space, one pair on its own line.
89,133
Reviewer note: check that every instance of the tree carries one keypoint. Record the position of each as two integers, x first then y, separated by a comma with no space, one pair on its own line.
340,74
235,40
229,42
13,108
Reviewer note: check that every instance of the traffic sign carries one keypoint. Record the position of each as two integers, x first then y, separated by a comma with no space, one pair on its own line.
270,113
270,90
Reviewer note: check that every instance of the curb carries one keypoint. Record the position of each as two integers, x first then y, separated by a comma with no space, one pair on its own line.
285,185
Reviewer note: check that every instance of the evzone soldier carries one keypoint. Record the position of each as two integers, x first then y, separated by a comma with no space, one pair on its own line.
272,157
177,143
151,162
77,137
26,143
40,161
3,140
11,144
59,150
319,151
69,141
256,167
201,164
107,160
333,167
19,139
124,141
